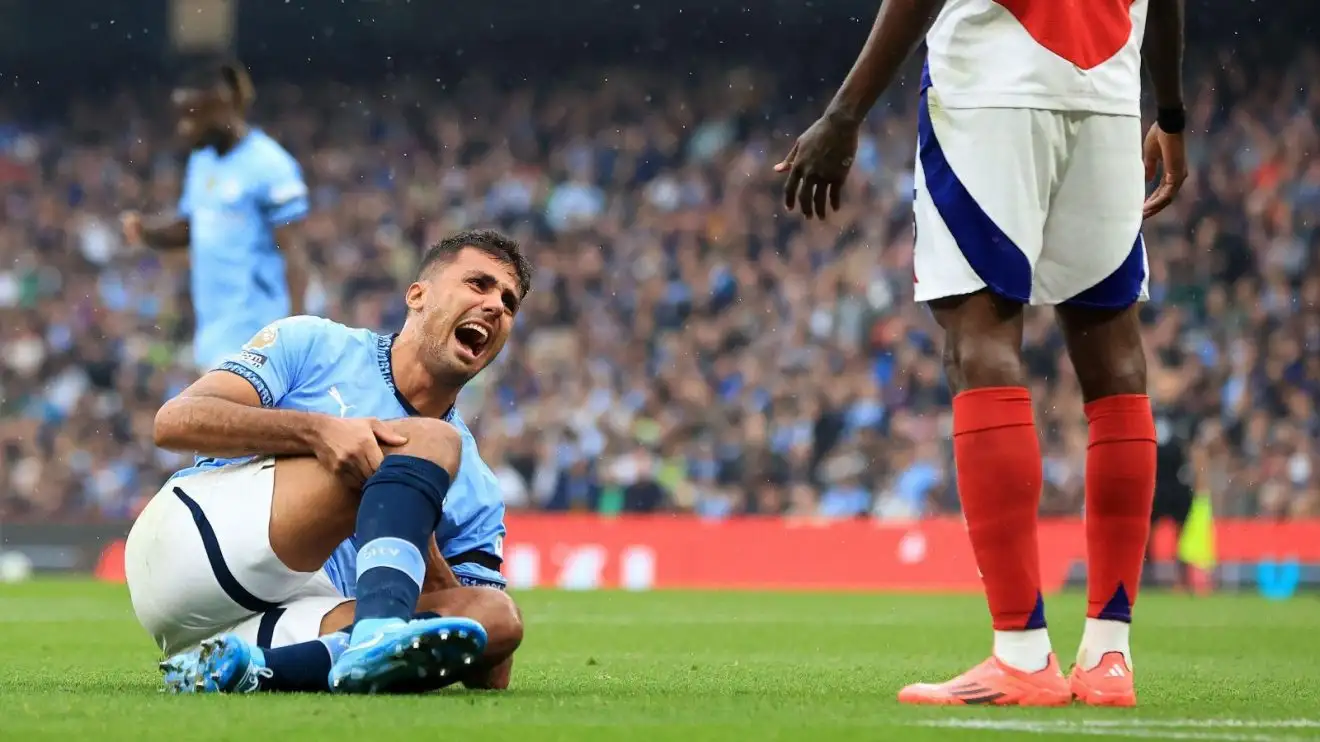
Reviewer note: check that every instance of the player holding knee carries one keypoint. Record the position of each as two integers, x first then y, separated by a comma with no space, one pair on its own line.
240,212
1029,190
269,653
301,462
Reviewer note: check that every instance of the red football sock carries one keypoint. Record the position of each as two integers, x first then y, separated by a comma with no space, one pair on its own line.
1120,489
998,462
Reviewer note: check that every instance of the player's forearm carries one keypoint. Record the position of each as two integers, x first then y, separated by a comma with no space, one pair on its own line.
166,233
1162,51
439,575
898,29
296,269
211,426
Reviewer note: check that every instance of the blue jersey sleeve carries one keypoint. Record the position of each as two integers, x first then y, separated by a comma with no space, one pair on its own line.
274,359
282,193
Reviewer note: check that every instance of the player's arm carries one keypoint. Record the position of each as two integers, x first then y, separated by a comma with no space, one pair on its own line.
167,231
439,575
1162,51
170,232
286,203
221,415
296,265
898,28
230,412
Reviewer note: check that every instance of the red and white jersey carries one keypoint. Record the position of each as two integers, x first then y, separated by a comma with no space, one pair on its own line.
1061,55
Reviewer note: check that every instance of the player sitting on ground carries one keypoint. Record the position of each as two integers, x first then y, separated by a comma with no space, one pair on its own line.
472,534
302,461
1029,190
240,212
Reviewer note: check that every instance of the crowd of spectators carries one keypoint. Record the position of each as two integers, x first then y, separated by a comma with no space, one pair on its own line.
687,345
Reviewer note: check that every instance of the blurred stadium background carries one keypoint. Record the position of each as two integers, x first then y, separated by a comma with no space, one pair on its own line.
699,384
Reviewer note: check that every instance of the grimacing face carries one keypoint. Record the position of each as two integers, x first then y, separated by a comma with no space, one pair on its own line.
466,307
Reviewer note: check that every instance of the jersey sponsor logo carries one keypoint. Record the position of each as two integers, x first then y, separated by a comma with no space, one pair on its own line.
339,400
263,339
252,358
1087,34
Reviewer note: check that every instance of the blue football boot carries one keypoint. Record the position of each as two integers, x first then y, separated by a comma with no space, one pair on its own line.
224,664
388,655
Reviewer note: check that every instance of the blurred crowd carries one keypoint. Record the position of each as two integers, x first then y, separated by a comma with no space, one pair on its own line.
687,346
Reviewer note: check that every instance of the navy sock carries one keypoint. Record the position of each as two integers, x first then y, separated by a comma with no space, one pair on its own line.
303,668
401,507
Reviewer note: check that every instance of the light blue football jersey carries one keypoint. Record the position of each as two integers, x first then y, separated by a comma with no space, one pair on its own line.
234,203
316,365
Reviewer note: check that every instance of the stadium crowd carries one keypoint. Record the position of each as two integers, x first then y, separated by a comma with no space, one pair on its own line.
687,345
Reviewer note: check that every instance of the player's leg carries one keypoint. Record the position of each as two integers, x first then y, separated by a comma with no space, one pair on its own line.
493,609
197,560
1094,265
293,648
981,195
400,508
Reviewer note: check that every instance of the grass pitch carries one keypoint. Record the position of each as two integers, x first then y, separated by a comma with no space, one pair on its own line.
686,666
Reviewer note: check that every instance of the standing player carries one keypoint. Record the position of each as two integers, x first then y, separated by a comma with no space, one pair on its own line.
1030,190
243,197
302,462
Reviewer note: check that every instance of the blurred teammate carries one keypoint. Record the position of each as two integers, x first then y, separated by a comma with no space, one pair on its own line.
301,461
243,198
1029,190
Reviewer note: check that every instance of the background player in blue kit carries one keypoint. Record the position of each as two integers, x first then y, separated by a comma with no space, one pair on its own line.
301,459
243,198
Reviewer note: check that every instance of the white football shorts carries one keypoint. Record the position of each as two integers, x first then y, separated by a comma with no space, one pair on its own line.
1041,207
199,563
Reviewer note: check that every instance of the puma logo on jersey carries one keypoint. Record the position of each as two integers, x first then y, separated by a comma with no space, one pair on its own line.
339,400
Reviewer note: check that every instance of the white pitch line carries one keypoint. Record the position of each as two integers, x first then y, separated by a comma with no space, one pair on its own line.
1205,723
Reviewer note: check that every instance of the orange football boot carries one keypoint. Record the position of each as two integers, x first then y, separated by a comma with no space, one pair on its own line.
993,682
1107,684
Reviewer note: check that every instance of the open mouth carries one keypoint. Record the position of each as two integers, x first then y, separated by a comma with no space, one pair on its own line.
473,337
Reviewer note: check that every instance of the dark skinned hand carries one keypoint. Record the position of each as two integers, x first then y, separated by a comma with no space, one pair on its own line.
818,165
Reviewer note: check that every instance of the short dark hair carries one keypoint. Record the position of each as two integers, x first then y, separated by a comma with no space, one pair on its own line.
229,74
495,244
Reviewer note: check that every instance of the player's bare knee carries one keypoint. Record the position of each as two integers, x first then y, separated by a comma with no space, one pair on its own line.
1123,373
982,340
982,361
502,619
433,440
1106,350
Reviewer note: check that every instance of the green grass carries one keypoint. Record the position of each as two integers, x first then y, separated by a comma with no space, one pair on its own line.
685,666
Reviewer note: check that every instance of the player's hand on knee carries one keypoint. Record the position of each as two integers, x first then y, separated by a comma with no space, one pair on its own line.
1169,150
351,448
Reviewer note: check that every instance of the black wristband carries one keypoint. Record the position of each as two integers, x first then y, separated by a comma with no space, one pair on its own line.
1171,120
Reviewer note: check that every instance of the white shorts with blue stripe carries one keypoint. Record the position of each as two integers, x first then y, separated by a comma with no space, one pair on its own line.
1041,207
199,563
